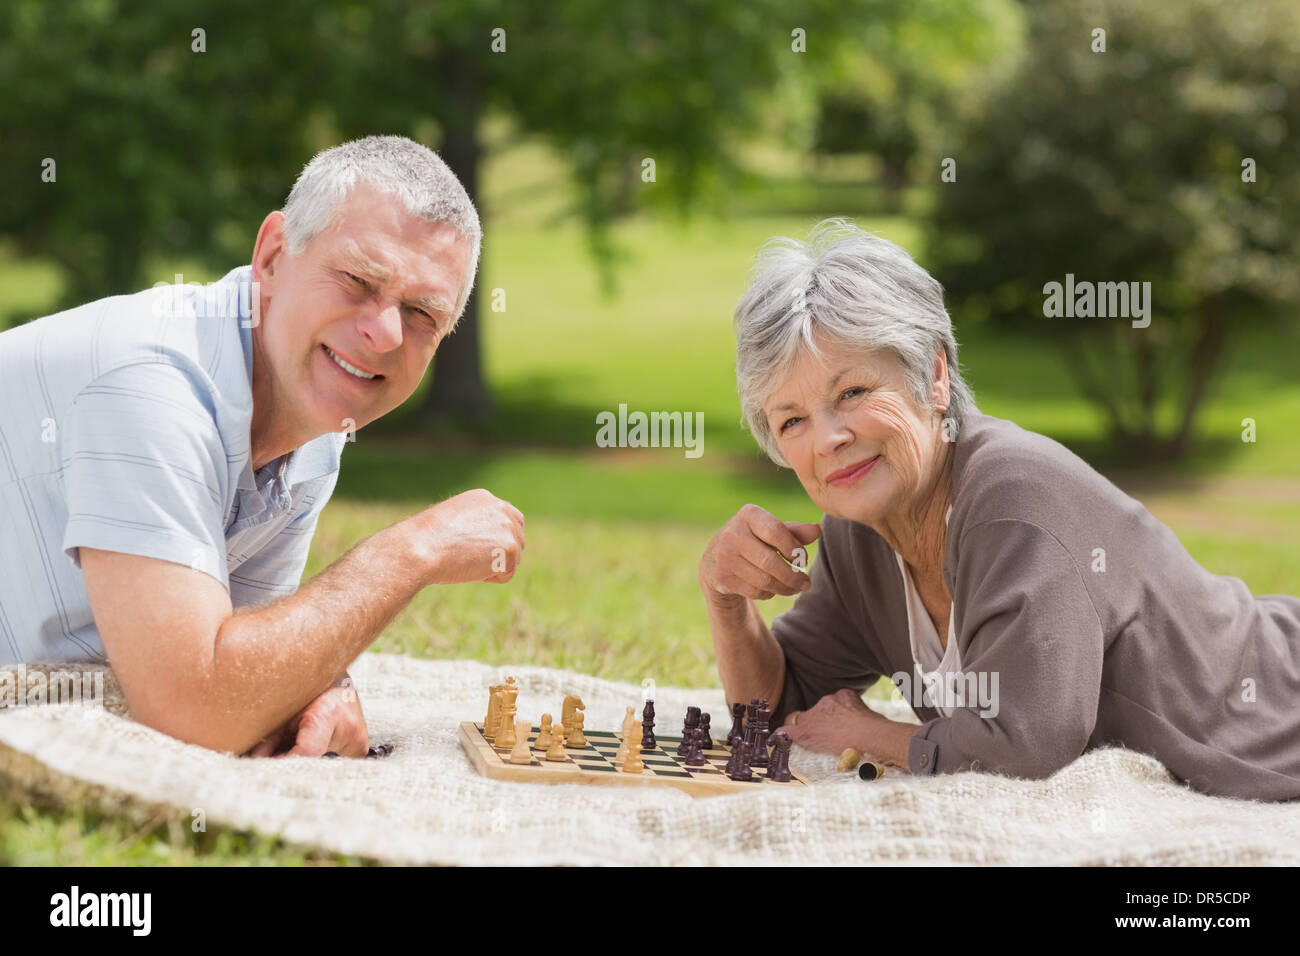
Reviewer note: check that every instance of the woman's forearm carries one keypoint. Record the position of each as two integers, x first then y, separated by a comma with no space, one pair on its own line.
750,661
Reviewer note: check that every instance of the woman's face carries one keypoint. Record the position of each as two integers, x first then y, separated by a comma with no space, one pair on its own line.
848,426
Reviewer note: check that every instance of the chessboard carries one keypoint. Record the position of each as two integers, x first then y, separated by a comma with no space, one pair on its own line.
594,764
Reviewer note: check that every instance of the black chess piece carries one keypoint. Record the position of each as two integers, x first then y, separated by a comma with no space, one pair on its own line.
779,768
738,765
648,742
737,731
758,743
706,734
695,757
692,721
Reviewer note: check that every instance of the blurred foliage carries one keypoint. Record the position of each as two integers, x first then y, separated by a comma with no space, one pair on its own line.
895,93
1127,165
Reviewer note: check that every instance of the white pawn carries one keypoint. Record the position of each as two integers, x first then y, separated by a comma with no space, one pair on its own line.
627,739
521,753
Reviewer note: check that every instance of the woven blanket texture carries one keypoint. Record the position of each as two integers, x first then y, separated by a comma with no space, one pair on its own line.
425,804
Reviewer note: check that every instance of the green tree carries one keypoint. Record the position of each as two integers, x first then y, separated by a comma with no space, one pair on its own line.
1169,158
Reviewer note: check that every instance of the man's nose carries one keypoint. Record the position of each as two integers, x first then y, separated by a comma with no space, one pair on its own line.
382,326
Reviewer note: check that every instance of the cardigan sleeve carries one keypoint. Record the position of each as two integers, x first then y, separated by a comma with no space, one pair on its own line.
824,647
1036,638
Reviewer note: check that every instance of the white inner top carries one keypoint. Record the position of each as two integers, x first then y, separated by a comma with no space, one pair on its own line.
930,656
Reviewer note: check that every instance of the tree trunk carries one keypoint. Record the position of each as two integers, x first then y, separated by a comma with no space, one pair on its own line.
458,387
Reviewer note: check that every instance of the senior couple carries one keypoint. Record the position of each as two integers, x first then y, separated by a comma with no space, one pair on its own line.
165,524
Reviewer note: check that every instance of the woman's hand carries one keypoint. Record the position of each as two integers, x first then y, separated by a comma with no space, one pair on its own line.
742,559
842,720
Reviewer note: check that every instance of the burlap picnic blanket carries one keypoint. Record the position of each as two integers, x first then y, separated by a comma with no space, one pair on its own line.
425,804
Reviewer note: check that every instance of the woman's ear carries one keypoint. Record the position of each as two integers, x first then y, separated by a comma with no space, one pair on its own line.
941,392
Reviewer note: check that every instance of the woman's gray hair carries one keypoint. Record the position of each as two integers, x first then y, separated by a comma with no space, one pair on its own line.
859,291
395,165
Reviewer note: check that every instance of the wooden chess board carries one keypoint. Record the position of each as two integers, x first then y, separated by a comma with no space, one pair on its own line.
595,765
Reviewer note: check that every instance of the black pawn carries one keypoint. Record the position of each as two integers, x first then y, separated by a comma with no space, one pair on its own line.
696,758
737,724
706,734
779,768
692,721
738,765
648,742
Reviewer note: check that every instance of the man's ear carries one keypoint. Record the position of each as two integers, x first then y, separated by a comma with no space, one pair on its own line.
270,250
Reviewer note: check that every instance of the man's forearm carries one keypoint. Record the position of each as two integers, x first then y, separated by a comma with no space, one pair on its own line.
750,662
269,662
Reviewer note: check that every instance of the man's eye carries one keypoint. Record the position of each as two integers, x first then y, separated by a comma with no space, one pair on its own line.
357,279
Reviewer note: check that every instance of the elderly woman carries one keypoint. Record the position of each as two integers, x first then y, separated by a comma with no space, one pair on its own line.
1045,611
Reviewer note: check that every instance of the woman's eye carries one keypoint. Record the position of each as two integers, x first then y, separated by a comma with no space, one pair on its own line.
790,421
851,392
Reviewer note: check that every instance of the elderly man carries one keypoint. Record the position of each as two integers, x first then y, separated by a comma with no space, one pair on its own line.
1045,611
178,445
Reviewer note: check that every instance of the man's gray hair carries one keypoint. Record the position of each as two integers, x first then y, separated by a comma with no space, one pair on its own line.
859,291
395,165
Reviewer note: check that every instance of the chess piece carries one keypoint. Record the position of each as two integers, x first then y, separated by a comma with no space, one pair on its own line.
555,752
576,740
648,742
505,737
849,760
572,704
520,752
758,746
870,770
695,757
779,768
544,736
706,734
634,763
688,727
494,711
737,731
625,737
738,766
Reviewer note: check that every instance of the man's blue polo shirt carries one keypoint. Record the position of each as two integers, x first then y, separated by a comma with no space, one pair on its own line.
124,426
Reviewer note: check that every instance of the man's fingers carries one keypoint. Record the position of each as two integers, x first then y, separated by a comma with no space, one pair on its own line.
268,745
314,737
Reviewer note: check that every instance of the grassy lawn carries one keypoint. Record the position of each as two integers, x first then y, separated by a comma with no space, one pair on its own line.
608,581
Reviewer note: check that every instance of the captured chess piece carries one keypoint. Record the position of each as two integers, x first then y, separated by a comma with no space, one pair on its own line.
779,768
633,763
544,736
520,752
688,727
626,736
648,742
737,724
870,770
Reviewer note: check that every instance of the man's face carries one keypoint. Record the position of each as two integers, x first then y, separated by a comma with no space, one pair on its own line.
377,289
